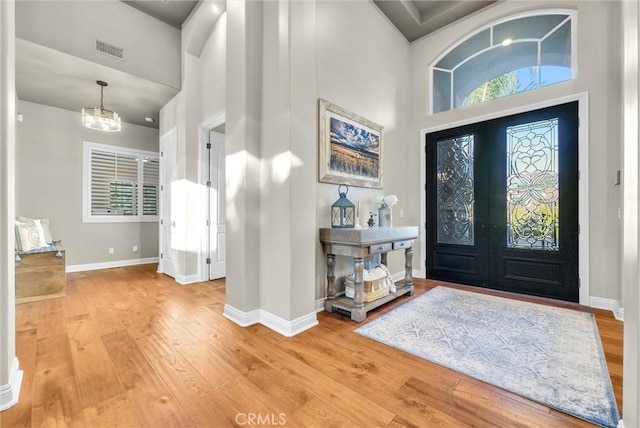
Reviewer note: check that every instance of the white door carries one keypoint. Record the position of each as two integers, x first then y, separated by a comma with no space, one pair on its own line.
217,216
168,146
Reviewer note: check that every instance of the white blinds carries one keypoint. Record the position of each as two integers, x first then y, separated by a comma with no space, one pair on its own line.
151,173
115,177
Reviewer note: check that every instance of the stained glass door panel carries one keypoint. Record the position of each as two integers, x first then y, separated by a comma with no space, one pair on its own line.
502,203
457,236
533,186
454,190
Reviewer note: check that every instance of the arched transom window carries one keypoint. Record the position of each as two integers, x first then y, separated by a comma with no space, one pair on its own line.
510,56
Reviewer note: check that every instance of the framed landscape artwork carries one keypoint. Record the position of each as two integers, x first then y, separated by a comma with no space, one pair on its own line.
350,148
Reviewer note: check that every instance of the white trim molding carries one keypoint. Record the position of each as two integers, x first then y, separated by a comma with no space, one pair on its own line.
9,393
188,279
608,304
203,176
279,325
399,276
109,265
243,319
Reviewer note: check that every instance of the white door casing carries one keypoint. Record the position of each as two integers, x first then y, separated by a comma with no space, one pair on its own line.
216,206
168,155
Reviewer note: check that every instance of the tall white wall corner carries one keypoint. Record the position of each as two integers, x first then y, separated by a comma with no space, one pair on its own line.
10,392
10,375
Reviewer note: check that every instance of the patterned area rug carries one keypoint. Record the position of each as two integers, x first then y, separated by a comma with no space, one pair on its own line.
550,355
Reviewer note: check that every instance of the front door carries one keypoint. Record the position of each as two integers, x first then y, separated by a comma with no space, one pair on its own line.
502,203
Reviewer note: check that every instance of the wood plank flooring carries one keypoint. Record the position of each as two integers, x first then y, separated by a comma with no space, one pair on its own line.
128,347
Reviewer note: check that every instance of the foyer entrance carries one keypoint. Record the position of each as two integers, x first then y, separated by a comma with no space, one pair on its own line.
502,203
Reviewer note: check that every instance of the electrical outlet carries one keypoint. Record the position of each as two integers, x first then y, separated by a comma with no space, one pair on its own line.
110,250
135,248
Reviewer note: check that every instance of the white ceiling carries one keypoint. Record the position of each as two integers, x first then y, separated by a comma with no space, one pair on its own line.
50,77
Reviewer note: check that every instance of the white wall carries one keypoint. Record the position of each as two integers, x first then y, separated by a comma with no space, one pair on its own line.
631,219
151,47
243,115
346,52
363,66
10,375
287,192
202,97
599,74
49,175
213,63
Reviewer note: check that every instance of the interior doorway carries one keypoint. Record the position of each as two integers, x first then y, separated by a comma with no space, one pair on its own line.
215,179
168,156
502,203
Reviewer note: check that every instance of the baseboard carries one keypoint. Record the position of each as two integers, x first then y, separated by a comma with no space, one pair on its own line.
187,279
399,276
608,304
243,319
280,325
109,265
285,327
320,304
10,392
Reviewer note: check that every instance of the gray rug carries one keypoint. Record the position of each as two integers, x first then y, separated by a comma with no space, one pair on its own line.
550,355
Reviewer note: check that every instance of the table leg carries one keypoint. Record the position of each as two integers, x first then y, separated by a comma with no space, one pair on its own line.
331,283
358,313
408,269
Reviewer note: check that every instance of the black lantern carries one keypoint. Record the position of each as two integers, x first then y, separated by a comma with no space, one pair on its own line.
343,212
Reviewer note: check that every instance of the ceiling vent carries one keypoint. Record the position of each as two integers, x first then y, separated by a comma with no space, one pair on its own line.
109,49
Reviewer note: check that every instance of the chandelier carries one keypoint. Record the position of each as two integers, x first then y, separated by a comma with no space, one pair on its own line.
100,118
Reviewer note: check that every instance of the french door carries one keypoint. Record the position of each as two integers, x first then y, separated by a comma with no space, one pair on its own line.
502,203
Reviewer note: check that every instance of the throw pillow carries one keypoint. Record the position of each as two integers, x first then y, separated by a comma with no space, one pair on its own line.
31,235
45,227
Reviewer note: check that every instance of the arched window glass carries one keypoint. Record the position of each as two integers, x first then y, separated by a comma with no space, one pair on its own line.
507,57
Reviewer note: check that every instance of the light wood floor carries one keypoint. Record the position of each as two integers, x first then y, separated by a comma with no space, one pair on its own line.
128,347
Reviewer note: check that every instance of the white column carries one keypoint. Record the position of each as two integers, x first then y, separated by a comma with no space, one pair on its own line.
289,236
304,174
243,137
271,125
631,207
10,375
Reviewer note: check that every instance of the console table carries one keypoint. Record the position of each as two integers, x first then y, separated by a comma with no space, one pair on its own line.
359,244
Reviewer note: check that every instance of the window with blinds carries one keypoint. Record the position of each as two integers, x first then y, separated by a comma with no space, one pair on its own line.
113,177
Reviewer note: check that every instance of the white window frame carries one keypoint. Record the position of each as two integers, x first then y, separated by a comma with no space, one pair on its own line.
573,15
87,216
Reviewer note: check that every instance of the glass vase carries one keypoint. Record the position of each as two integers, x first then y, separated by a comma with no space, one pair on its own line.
384,216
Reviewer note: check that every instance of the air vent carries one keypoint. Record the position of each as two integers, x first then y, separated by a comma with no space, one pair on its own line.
109,49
